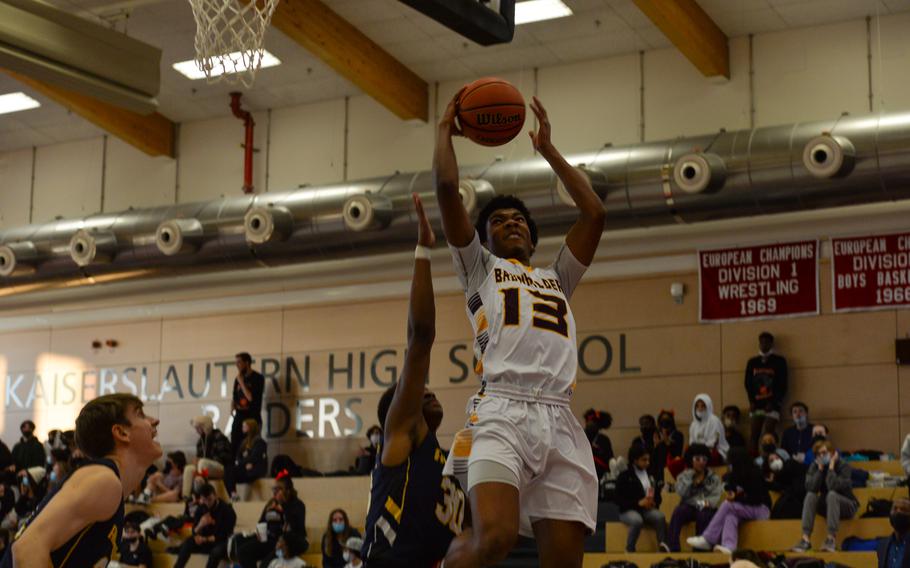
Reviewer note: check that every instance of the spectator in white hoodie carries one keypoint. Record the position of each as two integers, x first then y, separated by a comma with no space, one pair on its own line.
707,429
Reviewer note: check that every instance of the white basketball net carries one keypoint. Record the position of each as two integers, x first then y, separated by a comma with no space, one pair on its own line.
229,36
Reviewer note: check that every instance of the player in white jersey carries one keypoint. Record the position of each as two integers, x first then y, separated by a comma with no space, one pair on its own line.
528,463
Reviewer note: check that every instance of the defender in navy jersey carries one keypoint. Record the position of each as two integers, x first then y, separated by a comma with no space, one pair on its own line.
415,511
79,525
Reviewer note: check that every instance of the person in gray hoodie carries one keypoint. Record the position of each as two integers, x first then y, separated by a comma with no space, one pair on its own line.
707,429
700,491
829,492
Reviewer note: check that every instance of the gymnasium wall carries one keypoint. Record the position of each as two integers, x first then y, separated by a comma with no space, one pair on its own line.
643,352
807,74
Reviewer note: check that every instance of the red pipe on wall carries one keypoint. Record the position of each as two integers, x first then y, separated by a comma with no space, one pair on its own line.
248,124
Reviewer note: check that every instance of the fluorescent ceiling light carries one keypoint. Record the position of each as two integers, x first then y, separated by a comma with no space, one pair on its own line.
14,102
537,10
191,70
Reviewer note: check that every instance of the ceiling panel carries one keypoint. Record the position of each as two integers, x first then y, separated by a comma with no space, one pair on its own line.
599,28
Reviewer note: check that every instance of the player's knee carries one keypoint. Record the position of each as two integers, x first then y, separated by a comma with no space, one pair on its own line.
495,544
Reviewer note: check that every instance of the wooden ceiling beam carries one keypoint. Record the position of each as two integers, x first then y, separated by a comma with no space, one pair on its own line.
152,134
693,32
355,56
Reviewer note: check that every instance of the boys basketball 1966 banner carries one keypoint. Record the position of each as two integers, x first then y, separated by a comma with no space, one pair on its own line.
871,272
765,281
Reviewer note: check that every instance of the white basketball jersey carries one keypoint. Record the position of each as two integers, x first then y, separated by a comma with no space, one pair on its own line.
524,332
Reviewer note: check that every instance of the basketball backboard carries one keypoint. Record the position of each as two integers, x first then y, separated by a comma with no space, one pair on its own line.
486,22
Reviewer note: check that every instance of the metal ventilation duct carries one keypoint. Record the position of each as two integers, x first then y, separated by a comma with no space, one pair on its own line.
802,166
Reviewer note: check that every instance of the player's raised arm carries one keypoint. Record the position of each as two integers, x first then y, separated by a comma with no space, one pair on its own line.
405,425
92,495
455,223
584,236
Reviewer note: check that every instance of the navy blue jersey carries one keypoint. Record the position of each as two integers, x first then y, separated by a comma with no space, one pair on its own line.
414,512
93,546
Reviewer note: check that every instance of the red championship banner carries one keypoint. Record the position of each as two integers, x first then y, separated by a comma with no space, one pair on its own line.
871,273
766,281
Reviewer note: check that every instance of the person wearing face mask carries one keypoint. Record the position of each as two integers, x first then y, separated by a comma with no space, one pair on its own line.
638,498
829,492
769,445
28,452
797,439
766,387
731,416
707,429
351,552
597,422
336,535
894,551
60,468
284,558
9,520
668,447
819,434
366,460
700,491
134,552
788,479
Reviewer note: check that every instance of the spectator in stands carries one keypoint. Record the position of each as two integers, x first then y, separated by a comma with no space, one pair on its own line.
336,536
213,525
284,559
707,429
9,520
251,461
60,468
905,455
285,518
213,453
166,486
352,552
374,436
829,492
766,386
7,465
638,498
32,489
894,551
769,445
788,478
668,447
54,442
820,433
171,523
647,425
597,422
247,401
797,439
700,491
28,452
731,427
134,551
747,500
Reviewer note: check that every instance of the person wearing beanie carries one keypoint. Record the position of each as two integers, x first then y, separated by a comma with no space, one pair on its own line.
351,552
213,453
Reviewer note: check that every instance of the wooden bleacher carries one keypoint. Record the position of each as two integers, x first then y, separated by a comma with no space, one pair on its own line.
643,560
323,494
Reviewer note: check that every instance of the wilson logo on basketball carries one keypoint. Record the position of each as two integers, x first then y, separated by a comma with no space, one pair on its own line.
498,119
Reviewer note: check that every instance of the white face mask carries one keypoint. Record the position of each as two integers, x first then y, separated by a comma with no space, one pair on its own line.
776,465
346,555
375,439
700,414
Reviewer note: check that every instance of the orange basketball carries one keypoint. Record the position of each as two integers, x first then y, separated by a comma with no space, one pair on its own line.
491,111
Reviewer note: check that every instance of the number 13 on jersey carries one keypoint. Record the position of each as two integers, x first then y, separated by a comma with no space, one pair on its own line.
548,313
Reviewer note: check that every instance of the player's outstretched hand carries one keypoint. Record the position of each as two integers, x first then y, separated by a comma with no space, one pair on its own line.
425,235
447,123
541,138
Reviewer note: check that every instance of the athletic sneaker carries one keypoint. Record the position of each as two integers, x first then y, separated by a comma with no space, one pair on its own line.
699,543
803,546
830,545
722,549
